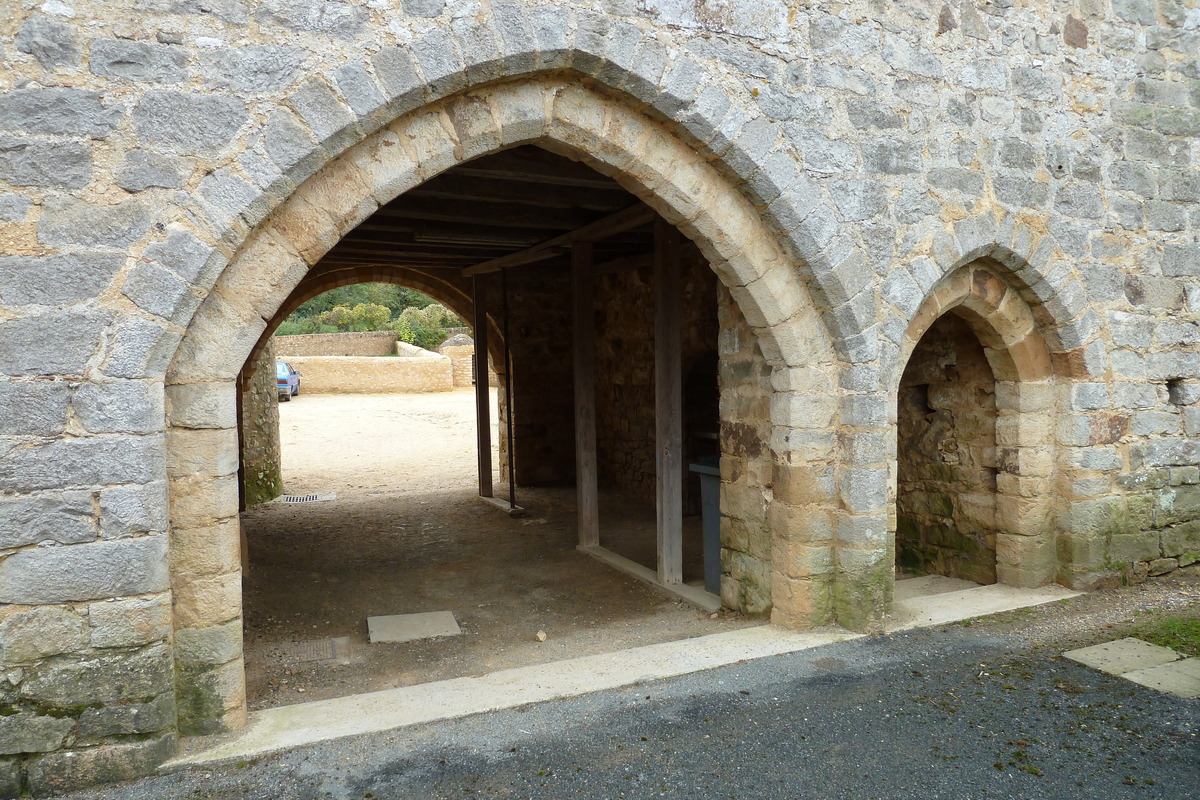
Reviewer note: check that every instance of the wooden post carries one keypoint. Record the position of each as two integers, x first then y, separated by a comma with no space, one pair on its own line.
583,272
483,410
668,403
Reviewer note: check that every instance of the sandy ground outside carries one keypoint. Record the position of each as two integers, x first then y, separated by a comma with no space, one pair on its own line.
407,534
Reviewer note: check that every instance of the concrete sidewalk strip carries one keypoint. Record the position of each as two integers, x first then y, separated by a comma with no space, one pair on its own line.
946,607
276,729
1122,656
1181,678
280,728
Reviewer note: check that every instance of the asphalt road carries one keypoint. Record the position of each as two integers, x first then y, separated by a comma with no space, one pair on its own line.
952,712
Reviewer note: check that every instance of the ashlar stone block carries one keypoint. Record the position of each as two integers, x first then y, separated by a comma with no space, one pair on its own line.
208,600
31,733
83,462
74,112
33,408
129,622
65,770
30,634
188,123
51,343
216,644
126,719
214,550
120,406
210,451
475,126
45,575
63,517
202,501
100,679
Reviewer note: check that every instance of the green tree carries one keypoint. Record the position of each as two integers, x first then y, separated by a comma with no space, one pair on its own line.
336,317
415,318
368,317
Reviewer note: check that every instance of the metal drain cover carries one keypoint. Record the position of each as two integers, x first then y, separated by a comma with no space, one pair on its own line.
307,498
320,649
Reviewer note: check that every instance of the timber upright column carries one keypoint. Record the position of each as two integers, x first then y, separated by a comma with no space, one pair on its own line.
483,406
668,403
584,277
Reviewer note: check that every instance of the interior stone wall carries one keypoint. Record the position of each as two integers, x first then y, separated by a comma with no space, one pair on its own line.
747,464
624,305
625,430
946,486
540,342
261,460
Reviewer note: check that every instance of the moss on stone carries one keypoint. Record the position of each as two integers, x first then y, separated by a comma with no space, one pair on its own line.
198,704
861,601
263,485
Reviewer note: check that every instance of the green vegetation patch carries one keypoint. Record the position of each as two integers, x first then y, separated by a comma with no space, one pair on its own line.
414,318
1181,634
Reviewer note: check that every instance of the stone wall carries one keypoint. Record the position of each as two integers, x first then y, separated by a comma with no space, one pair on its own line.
362,343
373,375
261,469
462,360
835,163
625,434
543,415
624,304
946,496
747,464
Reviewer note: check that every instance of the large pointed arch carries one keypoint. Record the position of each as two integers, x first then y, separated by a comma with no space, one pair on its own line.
558,114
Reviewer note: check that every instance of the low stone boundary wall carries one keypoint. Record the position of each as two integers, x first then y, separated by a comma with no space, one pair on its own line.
366,343
371,375
463,358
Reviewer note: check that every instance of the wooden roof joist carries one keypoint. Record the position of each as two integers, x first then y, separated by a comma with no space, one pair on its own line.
626,219
465,184
534,165
494,214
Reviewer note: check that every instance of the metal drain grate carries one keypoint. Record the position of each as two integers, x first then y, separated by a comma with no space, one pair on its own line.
319,650
307,498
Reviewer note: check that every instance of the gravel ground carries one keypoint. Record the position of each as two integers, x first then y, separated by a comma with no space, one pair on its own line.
986,710
408,534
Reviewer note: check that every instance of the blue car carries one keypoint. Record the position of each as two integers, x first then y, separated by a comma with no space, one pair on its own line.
288,381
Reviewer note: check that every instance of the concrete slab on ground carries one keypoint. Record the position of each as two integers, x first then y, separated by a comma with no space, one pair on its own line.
926,585
1181,678
1122,656
955,606
411,627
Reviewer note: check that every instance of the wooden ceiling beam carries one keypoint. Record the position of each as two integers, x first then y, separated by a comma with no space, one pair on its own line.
626,219
410,209
474,250
469,187
393,259
426,233
405,255
636,261
531,163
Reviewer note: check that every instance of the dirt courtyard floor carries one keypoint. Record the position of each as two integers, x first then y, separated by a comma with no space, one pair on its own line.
408,534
